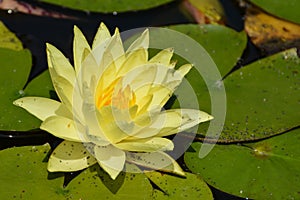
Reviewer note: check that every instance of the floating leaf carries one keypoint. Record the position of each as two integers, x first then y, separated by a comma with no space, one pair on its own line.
223,44
25,168
24,176
8,39
270,33
285,9
268,169
15,69
172,187
40,86
263,98
109,5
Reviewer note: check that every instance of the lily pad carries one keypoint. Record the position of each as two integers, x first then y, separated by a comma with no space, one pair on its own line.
172,187
24,176
285,9
263,98
223,44
8,39
268,169
15,69
108,6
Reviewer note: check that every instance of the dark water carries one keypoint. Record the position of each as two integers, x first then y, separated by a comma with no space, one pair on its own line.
35,31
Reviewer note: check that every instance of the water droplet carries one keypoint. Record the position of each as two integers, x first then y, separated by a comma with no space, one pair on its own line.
241,191
264,99
115,13
21,92
10,11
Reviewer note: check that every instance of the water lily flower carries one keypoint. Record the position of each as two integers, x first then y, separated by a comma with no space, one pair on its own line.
111,105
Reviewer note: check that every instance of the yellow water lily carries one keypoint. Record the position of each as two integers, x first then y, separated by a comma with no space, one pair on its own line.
110,108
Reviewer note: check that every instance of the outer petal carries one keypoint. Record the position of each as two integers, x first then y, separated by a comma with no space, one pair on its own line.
173,121
189,118
62,75
79,45
147,145
101,36
141,42
163,57
61,65
70,156
111,159
42,107
64,128
155,160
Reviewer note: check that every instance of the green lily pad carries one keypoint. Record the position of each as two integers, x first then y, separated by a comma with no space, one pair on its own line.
15,69
172,187
268,169
41,86
263,99
285,9
109,5
223,44
8,39
25,168
24,176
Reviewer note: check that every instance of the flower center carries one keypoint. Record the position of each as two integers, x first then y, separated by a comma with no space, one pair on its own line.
122,98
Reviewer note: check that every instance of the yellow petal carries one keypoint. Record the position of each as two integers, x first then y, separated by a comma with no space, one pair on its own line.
160,122
93,129
90,68
146,145
187,118
108,75
111,159
42,107
63,88
70,156
141,42
156,161
135,59
101,36
115,47
79,45
60,64
114,124
184,69
64,128
163,57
